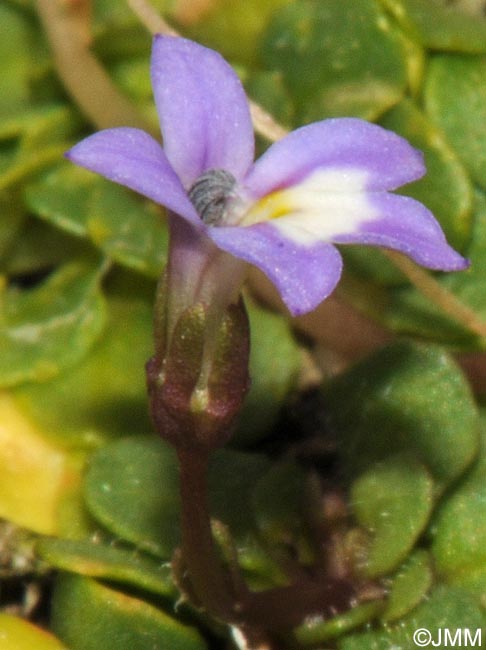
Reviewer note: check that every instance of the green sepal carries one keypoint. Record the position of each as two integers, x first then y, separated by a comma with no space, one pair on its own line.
198,388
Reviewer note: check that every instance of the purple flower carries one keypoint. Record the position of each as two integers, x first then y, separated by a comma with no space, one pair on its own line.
328,182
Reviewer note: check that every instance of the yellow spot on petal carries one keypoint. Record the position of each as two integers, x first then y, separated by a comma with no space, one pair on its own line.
272,206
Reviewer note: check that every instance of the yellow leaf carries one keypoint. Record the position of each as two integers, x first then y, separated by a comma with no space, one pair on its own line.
17,634
33,471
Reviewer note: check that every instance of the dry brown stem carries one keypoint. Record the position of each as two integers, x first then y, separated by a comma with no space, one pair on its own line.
67,27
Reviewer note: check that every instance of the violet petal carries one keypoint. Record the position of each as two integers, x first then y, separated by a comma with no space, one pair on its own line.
303,274
133,158
404,224
203,110
337,145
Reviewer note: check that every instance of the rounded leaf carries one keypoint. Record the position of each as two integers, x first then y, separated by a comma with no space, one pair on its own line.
440,27
337,59
132,488
278,501
459,545
446,188
406,396
49,328
409,586
127,229
318,631
455,98
393,501
98,560
449,608
86,615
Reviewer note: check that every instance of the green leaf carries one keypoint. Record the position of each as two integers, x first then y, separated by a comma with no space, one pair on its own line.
127,229
267,88
231,28
393,500
111,13
416,61
459,531
337,59
440,27
455,98
49,328
473,580
54,123
405,397
132,488
408,311
28,164
119,33
318,631
38,248
17,56
43,136
105,394
97,560
445,189
368,264
275,363
278,502
409,586
10,224
87,615
447,608
133,75
232,478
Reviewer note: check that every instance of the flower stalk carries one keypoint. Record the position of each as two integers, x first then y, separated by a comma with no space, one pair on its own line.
208,579
214,586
